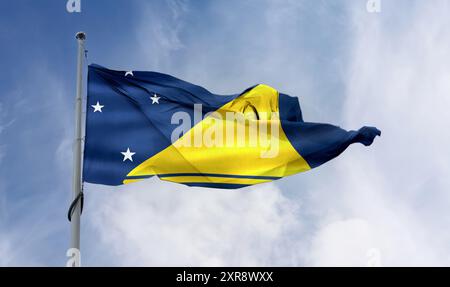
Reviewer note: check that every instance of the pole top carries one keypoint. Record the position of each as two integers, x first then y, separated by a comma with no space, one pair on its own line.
80,36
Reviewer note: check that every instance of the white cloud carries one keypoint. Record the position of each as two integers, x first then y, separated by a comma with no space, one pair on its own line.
158,35
394,196
342,243
158,223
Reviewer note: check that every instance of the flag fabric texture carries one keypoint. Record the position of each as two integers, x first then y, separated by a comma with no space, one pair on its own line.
143,124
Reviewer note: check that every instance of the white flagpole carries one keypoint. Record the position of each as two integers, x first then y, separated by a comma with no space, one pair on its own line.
75,219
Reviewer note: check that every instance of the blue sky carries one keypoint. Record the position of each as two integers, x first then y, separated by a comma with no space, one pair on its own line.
386,203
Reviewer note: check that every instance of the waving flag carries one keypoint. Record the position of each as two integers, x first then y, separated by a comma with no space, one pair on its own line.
142,124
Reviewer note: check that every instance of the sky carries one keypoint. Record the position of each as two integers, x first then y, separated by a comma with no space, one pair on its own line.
386,205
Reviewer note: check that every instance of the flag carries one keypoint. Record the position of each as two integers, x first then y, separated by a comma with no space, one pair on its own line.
143,124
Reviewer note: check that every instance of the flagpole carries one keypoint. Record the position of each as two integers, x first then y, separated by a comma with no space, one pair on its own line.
77,156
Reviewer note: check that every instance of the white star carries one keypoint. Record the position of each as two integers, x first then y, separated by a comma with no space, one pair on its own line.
128,155
155,99
97,107
129,73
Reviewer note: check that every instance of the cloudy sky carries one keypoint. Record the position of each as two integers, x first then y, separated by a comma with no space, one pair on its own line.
383,205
